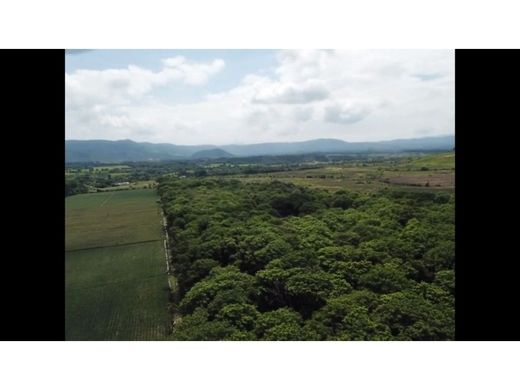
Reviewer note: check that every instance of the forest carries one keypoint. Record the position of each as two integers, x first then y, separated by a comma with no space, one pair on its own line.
279,261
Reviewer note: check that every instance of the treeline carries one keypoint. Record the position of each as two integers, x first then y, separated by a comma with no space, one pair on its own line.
143,171
83,182
281,262
76,185
151,170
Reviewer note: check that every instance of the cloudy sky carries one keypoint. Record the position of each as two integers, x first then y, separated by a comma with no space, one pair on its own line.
248,96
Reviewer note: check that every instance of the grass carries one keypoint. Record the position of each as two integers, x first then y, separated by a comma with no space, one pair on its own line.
411,173
437,161
115,282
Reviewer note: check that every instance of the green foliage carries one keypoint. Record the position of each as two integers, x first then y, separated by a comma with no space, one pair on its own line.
287,332
283,324
411,316
275,261
349,317
197,327
446,280
254,252
199,270
342,200
241,315
75,186
270,319
385,278
222,287
308,290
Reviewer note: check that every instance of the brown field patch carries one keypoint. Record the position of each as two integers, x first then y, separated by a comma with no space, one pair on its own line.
442,179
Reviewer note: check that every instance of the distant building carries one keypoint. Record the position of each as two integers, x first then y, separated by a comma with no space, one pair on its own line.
123,183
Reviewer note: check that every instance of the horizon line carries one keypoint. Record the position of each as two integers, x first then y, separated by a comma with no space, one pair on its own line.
266,142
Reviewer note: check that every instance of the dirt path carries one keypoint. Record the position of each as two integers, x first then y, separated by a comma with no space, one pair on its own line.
172,281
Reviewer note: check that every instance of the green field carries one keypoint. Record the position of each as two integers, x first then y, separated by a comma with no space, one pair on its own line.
115,282
111,218
437,161
431,172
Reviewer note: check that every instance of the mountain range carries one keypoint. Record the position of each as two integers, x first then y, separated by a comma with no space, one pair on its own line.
126,150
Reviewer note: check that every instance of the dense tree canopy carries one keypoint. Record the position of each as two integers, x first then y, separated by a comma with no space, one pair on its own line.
276,261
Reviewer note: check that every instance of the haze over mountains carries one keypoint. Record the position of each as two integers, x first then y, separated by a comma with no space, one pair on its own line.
126,150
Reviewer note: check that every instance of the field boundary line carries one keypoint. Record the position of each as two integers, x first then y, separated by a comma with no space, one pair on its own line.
116,282
176,317
111,246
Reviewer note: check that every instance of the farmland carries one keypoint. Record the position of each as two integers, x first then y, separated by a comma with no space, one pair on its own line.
341,223
431,172
115,282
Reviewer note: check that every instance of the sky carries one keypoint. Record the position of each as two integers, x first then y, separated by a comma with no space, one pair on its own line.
220,97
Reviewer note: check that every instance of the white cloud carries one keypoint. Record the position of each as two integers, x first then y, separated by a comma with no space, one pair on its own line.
290,93
193,73
301,65
351,95
345,113
121,86
303,114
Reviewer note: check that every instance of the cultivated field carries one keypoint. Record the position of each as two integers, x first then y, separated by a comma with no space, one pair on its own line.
111,218
116,287
431,172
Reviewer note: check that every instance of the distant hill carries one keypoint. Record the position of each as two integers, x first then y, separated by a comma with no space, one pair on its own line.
127,150
325,145
211,153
